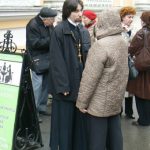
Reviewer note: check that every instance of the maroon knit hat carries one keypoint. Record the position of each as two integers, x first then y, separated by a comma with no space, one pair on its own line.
89,14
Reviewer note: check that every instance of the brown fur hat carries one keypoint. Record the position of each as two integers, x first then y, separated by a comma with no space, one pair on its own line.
127,10
145,17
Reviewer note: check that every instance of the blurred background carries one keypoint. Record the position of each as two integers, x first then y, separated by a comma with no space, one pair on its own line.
15,14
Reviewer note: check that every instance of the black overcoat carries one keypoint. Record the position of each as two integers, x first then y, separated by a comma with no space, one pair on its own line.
65,75
37,36
65,69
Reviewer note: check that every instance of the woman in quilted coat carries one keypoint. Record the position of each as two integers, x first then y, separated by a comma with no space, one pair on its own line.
103,84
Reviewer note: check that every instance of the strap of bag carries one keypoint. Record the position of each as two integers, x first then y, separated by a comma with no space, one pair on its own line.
145,39
29,56
94,32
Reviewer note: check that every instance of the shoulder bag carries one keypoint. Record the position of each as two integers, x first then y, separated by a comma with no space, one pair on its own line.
40,63
133,72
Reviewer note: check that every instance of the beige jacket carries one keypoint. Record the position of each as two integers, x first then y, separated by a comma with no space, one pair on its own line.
105,75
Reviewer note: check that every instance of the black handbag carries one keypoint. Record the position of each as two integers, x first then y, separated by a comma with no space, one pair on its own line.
133,72
40,63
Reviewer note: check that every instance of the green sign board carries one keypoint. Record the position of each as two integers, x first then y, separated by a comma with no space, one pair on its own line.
10,76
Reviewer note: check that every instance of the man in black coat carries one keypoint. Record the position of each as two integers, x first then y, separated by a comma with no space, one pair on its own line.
68,50
38,34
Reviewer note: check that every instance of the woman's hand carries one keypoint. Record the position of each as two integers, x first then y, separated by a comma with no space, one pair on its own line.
83,110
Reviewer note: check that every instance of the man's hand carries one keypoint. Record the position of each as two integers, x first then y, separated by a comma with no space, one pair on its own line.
66,93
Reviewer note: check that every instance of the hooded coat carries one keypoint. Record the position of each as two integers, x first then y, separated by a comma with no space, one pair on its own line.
105,75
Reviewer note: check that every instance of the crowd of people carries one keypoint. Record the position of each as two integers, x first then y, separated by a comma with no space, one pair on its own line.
88,74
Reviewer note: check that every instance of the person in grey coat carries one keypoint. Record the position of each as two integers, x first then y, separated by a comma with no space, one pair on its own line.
103,84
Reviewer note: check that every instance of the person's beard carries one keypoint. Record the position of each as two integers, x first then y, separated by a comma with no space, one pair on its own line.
78,20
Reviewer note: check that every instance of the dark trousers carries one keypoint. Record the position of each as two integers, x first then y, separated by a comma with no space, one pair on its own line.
104,133
62,125
80,132
143,109
129,106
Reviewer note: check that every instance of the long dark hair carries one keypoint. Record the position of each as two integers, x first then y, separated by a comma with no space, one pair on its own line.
70,6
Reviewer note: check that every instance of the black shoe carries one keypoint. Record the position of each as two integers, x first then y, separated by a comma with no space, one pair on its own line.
135,123
45,113
130,117
40,120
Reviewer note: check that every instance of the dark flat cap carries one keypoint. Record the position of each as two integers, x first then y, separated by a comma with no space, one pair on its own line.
47,12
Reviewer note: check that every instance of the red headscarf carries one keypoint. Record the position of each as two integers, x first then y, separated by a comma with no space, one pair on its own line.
91,15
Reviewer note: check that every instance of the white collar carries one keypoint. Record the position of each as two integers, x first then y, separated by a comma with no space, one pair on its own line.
126,28
73,23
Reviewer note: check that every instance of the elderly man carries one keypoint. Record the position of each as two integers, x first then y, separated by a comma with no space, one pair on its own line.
38,33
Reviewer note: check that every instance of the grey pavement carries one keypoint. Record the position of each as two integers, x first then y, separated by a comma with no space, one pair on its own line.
135,138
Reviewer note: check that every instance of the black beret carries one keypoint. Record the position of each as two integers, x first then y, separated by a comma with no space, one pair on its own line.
47,12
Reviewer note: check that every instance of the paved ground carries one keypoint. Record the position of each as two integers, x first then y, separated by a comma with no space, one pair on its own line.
135,138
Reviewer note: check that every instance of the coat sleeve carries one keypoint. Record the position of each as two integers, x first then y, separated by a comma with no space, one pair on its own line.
95,63
58,67
86,42
136,43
